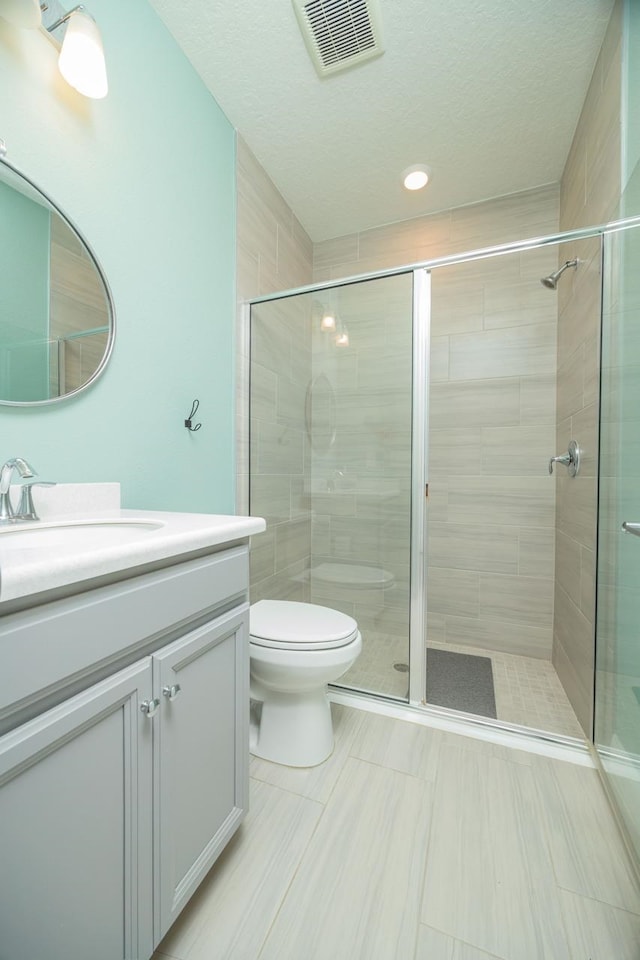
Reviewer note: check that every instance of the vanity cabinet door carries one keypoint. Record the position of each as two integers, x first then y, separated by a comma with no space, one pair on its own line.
75,861
201,755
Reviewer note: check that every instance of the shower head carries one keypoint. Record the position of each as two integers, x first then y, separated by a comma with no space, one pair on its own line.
551,282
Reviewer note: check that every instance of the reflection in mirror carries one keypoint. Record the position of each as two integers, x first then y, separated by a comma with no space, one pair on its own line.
56,314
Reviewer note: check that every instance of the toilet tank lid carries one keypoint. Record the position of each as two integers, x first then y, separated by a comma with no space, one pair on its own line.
293,622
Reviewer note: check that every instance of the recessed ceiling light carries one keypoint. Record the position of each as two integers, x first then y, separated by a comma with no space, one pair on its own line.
416,177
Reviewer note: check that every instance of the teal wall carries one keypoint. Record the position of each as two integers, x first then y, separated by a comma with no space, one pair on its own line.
24,296
148,175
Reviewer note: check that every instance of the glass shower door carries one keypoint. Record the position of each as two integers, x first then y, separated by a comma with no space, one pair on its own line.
330,462
617,688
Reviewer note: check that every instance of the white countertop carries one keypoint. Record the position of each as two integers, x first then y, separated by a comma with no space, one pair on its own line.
29,567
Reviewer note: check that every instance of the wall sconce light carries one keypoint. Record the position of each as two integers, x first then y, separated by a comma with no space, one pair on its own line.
81,60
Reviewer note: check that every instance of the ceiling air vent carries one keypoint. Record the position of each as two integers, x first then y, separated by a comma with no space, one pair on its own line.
339,33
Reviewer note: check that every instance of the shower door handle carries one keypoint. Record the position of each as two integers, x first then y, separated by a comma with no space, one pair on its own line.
633,528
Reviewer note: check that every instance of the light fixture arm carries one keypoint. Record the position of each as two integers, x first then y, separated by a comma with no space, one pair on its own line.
79,9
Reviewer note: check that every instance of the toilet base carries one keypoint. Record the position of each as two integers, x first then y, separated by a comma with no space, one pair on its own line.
294,729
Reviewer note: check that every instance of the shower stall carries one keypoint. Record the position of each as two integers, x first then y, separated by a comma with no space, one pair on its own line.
404,429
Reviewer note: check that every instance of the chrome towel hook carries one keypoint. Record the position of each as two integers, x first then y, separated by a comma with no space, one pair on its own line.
571,459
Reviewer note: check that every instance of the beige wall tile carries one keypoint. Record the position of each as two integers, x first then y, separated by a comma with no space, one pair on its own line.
536,552
474,403
522,351
538,399
573,655
516,451
473,547
501,500
525,600
453,591
590,192
502,635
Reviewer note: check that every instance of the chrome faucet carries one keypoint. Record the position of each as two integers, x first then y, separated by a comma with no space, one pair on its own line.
17,464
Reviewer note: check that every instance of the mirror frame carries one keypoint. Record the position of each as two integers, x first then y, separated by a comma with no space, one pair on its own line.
4,162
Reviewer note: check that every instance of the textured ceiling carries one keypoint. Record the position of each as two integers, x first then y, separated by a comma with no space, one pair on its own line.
486,92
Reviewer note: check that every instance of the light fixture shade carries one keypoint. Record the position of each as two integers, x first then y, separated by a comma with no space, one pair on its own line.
81,60
21,13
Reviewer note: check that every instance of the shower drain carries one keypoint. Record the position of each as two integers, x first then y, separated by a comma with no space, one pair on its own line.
401,667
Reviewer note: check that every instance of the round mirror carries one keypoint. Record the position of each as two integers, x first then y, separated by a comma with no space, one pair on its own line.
56,313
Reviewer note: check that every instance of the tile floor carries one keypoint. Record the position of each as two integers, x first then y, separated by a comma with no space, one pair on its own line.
411,843
527,690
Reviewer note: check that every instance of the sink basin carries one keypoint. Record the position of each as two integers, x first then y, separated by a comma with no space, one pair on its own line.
75,534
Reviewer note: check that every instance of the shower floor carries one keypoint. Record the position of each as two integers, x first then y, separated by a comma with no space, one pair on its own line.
527,690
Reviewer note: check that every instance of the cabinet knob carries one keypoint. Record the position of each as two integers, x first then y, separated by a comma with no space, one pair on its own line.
150,707
171,692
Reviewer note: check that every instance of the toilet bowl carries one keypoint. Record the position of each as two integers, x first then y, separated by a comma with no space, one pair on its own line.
296,649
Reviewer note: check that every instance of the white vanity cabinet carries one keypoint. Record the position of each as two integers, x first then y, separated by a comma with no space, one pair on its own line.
127,770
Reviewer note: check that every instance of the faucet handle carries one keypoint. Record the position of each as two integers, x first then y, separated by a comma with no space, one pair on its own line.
26,509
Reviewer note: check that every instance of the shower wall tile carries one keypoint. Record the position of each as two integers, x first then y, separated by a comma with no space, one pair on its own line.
516,451
536,552
503,635
590,194
519,501
473,547
293,543
453,592
455,450
524,600
476,403
538,399
273,253
271,497
439,358
522,351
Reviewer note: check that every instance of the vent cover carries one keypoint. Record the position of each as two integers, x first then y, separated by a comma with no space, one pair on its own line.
339,33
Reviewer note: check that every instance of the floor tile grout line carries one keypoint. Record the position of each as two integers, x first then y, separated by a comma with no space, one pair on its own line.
604,903
432,785
466,943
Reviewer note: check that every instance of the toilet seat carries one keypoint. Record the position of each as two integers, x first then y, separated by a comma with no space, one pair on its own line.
289,625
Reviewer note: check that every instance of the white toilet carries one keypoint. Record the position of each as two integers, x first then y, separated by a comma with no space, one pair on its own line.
296,650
